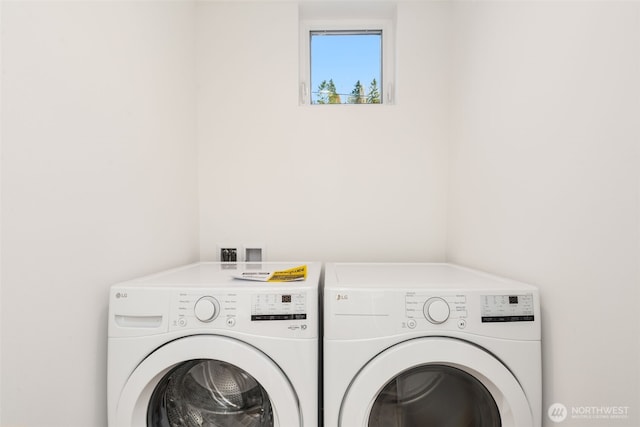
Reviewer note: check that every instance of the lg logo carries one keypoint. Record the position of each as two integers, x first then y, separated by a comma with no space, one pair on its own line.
557,412
342,297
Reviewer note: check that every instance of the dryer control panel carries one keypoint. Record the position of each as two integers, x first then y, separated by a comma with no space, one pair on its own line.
370,301
375,313
436,309
507,308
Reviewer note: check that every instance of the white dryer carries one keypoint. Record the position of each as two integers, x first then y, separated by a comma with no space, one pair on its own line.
195,347
436,345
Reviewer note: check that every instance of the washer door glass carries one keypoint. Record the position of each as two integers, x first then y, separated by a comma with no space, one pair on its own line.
434,395
209,393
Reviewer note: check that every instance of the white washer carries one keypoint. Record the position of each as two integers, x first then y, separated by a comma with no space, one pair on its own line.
195,347
410,345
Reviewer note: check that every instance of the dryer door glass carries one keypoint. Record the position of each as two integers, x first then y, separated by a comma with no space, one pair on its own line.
209,393
434,395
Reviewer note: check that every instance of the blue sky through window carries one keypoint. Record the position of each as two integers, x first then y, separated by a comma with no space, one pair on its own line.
345,58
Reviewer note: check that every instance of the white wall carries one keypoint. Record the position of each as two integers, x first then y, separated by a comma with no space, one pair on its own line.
1,134
311,182
545,181
513,147
98,185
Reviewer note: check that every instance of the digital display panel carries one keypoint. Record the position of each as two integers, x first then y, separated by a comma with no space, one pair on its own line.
276,306
507,308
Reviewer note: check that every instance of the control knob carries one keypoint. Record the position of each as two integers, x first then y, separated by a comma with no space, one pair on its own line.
206,309
436,310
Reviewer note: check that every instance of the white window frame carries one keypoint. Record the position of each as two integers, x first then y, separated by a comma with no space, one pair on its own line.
387,83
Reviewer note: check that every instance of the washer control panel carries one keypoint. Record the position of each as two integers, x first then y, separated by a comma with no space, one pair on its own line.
208,298
290,306
194,309
267,313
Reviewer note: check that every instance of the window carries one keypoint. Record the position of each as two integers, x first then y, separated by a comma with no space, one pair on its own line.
346,67
347,60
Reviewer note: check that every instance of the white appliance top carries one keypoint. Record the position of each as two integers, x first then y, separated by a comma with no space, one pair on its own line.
221,274
415,275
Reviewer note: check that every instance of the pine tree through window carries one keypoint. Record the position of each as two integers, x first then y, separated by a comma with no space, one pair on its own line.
346,67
